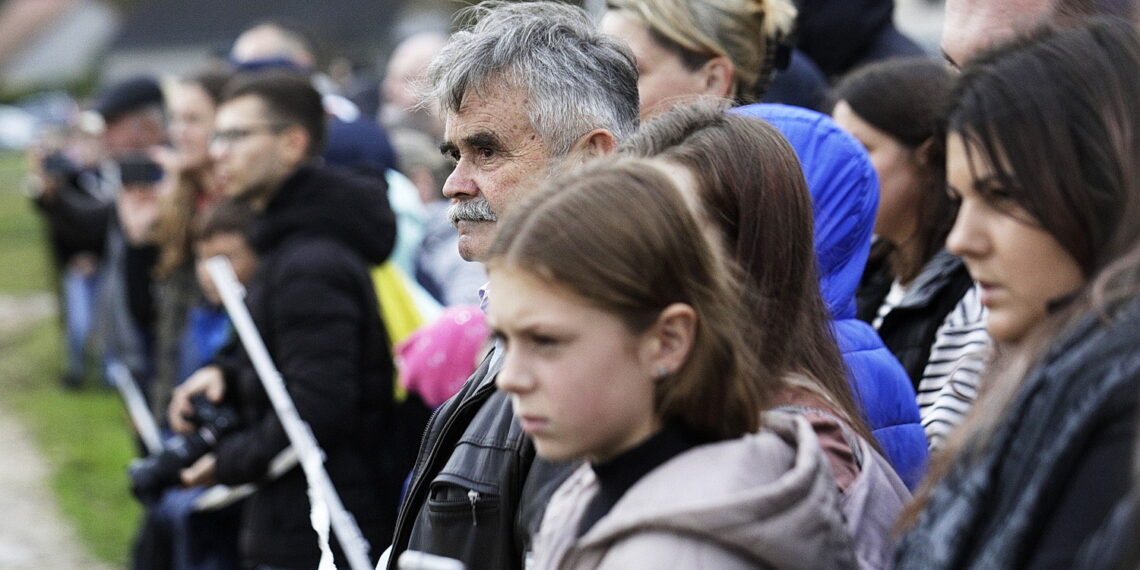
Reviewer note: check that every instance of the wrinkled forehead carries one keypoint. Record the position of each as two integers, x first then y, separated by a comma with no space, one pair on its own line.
494,87
502,108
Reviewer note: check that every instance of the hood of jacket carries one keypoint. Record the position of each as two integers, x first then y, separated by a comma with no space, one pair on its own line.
845,197
326,202
770,499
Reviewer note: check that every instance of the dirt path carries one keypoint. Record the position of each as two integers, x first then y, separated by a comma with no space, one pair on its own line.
33,532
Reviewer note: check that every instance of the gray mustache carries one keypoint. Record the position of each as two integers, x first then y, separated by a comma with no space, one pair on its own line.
471,211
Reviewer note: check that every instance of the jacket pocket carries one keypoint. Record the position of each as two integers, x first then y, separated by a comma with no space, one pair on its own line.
463,521
453,498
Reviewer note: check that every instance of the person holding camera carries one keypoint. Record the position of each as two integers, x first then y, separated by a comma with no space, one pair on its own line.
316,231
78,192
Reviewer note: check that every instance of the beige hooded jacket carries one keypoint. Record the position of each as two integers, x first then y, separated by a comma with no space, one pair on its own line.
766,500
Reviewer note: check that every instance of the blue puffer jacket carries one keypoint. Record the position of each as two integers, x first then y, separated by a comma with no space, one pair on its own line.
845,192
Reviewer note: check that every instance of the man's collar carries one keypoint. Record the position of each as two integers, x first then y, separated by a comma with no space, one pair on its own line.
484,297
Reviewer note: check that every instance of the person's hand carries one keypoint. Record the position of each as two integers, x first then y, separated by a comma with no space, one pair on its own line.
40,184
138,211
202,472
171,161
207,380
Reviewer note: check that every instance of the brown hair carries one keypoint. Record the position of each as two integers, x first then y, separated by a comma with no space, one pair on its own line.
178,208
227,217
753,188
619,234
1057,116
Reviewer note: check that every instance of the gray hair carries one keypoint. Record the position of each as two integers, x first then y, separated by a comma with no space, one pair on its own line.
576,78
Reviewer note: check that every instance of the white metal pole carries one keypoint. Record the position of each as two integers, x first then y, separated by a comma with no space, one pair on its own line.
325,503
137,409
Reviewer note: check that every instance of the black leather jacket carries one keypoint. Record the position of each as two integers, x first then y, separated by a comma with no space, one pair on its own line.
477,491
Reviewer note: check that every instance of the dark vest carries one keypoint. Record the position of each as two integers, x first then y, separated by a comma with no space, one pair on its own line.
909,329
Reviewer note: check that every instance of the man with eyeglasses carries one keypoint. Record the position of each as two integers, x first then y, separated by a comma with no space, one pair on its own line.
316,232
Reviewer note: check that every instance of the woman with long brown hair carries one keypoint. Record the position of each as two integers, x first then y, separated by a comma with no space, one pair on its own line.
725,50
759,212
918,296
1043,154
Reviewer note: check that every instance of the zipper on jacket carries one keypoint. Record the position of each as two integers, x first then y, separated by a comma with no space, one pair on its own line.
403,528
473,496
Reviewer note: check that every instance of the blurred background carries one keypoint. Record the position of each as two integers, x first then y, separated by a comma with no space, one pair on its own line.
64,501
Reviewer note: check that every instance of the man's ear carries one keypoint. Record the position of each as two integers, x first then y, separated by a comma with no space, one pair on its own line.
719,74
671,339
295,142
594,144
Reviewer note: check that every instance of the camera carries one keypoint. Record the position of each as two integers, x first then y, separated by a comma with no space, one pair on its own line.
56,164
152,475
139,170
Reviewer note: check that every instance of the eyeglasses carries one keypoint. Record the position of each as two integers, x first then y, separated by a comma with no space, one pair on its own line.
230,136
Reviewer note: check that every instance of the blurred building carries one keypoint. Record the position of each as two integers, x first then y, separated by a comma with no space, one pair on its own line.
52,43
183,36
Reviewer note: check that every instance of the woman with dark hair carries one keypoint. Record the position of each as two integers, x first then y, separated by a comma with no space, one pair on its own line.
1042,155
918,296
627,344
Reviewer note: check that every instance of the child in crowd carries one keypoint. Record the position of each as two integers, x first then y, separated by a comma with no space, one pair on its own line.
221,232
627,344
202,540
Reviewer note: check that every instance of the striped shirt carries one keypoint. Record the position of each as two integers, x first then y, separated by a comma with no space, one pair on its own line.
949,382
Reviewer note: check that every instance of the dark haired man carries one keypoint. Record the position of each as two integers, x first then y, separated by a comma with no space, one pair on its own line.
316,232
354,138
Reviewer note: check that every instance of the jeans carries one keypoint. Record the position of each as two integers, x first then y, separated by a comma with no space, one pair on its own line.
79,293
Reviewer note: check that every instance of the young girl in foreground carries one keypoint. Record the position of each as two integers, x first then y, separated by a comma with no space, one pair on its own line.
626,346
1043,153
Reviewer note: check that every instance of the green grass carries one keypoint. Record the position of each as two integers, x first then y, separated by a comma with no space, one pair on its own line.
84,435
23,256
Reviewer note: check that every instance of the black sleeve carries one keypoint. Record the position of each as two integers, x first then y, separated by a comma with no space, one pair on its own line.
140,262
1100,482
315,323
78,220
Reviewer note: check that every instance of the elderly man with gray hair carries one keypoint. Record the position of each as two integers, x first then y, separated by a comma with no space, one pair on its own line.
526,90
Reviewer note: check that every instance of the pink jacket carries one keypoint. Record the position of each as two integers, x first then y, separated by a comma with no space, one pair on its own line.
766,500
